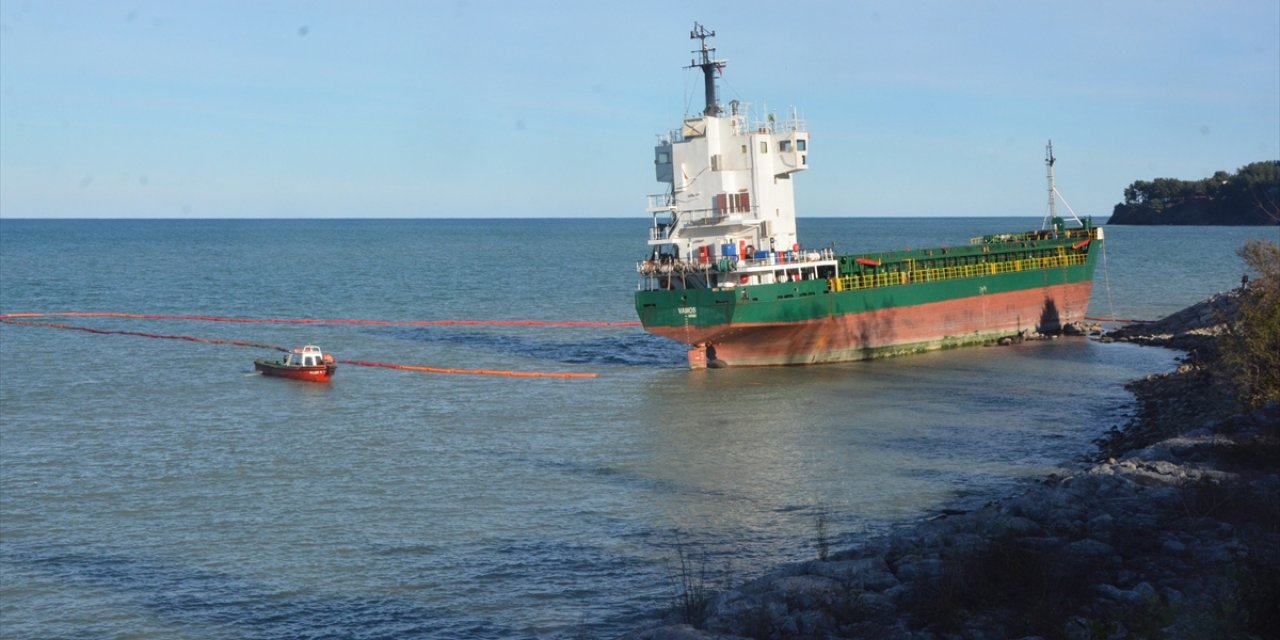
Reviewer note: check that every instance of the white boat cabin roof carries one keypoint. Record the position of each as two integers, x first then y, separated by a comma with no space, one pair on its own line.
308,356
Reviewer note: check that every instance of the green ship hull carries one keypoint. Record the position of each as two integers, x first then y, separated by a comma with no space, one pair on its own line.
872,305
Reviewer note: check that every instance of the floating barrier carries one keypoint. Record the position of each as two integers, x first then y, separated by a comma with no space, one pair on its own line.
339,321
8,319
14,319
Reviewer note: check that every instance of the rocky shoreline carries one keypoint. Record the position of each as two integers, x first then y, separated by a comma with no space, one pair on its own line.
1172,532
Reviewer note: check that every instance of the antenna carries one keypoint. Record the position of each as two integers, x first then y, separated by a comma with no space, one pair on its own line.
709,65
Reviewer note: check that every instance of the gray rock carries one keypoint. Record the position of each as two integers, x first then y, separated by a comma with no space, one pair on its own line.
1089,548
813,623
966,541
1214,554
807,592
919,568
870,574
789,628
1111,591
1042,544
1018,526
1129,597
1102,524
1078,628
1146,592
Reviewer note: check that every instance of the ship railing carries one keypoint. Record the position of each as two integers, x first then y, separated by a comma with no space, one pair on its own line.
729,264
786,259
747,120
941,274
777,127
702,216
665,274
667,266
698,217
660,202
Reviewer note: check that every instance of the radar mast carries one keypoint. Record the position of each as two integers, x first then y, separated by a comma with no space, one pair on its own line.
1053,201
1051,217
709,65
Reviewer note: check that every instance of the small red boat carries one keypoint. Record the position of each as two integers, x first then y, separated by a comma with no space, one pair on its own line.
307,363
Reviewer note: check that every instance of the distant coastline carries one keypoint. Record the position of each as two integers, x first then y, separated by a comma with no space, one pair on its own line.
1250,197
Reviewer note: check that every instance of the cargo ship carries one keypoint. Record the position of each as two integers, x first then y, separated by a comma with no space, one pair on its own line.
726,274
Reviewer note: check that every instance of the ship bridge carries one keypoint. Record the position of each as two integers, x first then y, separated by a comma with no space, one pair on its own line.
728,177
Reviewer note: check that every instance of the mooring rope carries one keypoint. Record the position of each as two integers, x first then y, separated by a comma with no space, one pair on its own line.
1106,281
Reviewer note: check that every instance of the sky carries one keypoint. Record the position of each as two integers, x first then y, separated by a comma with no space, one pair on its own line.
539,108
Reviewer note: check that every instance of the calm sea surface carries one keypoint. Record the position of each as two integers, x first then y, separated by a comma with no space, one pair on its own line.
161,489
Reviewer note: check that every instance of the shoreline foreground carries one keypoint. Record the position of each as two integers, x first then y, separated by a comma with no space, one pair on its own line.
1173,531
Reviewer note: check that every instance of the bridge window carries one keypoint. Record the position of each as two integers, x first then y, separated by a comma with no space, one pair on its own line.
764,146
801,144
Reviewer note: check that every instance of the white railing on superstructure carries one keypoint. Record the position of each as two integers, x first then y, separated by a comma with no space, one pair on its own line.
661,202
788,260
743,122
701,217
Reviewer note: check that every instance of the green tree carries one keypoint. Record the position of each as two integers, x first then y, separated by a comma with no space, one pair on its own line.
1251,346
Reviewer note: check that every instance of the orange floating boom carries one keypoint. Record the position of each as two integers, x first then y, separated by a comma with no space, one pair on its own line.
398,323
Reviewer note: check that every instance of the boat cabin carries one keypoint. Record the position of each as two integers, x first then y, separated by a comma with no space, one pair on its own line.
308,356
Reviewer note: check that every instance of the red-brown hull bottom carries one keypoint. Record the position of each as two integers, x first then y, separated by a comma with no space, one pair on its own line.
309,374
887,332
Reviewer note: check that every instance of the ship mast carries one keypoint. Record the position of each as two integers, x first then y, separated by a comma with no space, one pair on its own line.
1053,201
709,65
1052,215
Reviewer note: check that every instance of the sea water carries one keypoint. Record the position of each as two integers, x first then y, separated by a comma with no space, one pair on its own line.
160,489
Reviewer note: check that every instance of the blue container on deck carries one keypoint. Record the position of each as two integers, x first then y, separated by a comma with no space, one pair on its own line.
728,249
761,255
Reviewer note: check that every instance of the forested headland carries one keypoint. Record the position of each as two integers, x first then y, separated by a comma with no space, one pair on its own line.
1250,196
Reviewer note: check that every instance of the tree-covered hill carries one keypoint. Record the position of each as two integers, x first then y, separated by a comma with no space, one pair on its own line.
1249,197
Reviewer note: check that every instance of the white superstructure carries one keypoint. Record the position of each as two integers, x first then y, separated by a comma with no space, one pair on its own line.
729,188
